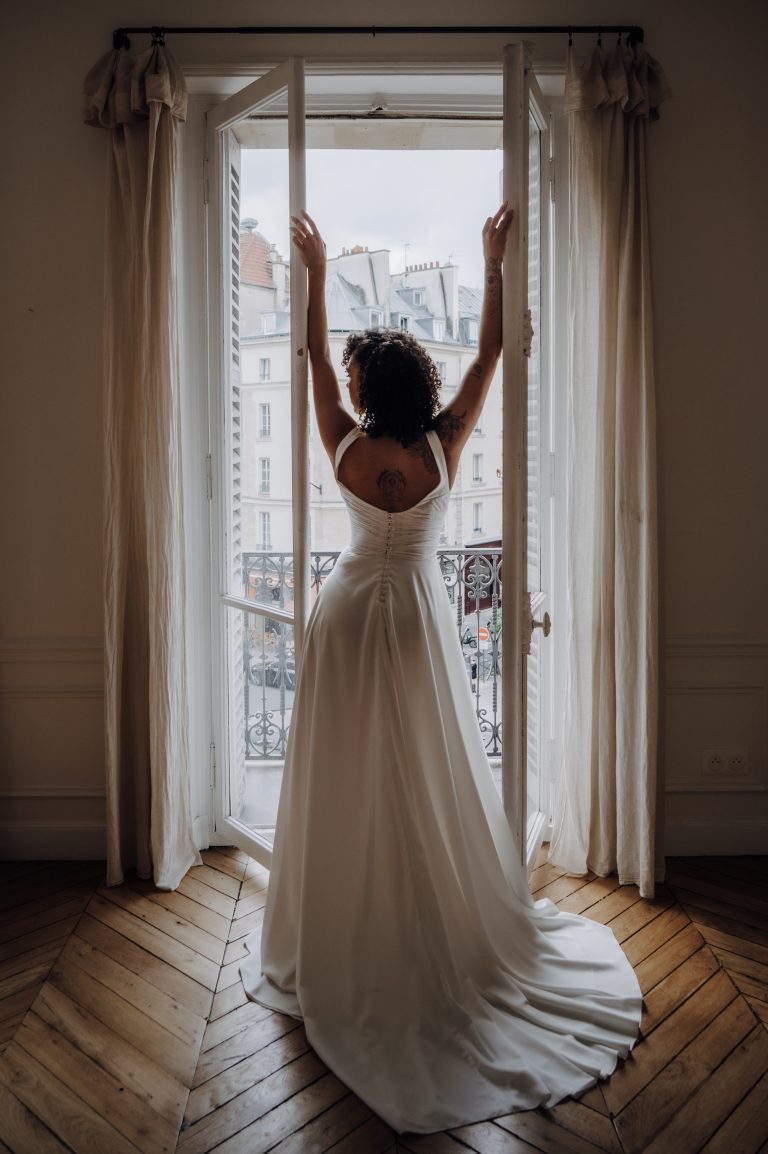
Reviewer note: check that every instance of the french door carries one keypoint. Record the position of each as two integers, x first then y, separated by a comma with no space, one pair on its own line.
526,512
261,559
261,606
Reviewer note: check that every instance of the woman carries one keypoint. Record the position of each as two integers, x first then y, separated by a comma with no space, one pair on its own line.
399,924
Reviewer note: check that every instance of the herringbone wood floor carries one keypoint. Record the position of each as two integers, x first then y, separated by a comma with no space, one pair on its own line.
124,1027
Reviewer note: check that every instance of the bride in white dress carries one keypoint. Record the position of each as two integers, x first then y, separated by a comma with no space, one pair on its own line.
399,925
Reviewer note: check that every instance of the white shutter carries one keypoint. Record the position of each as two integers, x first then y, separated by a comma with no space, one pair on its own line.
534,670
238,650
534,361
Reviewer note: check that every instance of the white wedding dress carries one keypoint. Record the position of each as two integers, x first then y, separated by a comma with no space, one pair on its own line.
399,924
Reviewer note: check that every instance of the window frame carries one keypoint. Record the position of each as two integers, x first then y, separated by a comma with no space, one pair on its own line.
265,468
265,521
194,355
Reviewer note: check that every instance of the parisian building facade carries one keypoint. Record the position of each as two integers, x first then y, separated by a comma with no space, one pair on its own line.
426,300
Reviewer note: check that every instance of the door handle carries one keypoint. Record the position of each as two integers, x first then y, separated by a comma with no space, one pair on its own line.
530,623
546,624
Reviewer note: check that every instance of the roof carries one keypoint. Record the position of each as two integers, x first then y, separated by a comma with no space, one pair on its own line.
398,303
354,292
341,298
470,301
255,265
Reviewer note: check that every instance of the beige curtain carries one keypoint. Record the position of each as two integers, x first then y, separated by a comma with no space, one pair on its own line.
606,797
141,103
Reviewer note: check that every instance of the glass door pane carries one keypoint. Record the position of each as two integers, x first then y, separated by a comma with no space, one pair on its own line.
267,540
515,444
401,204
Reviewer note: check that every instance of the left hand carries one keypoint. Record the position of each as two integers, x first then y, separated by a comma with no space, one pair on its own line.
311,246
495,233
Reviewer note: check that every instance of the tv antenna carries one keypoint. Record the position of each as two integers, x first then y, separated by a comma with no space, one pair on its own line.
411,244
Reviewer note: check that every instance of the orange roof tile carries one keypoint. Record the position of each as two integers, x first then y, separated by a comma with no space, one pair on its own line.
255,267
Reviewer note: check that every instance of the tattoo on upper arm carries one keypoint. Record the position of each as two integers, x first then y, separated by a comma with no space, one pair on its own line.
392,484
450,422
422,450
476,370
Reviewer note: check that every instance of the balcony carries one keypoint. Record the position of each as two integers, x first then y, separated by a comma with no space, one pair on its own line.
473,586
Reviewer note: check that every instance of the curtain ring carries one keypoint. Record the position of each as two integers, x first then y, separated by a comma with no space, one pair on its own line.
618,42
158,37
599,38
570,37
120,40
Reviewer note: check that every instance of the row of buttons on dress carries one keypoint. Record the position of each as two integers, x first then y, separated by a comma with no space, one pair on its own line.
387,551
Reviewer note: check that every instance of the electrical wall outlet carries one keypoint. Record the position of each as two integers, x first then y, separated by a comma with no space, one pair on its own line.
738,762
730,762
712,761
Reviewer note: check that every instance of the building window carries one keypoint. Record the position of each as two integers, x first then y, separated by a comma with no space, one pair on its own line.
472,332
265,367
477,468
376,319
265,420
478,430
268,323
264,474
442,370
418,297
265,522
438,330
477,517
405,324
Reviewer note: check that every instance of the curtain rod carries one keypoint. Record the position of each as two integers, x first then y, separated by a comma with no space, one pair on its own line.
633,32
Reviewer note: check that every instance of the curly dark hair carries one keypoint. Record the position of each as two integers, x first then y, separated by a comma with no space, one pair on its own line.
399,384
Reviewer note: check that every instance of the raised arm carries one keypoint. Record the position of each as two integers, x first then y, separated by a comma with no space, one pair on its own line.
457,420
333,420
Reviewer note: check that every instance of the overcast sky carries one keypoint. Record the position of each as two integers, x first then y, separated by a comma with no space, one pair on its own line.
435,202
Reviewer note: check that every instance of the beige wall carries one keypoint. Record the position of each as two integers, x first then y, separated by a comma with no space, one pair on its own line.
708,188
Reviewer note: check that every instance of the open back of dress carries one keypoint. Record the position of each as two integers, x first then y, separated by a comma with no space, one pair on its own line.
399,924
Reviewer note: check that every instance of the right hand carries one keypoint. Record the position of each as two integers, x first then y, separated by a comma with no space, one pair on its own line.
306,237
495,233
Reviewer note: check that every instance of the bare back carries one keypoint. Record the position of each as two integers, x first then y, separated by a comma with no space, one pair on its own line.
380,471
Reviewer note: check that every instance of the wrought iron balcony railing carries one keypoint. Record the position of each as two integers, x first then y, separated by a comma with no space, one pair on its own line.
473,585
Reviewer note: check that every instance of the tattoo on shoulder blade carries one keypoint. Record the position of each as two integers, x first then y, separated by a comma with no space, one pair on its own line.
422,450
449,423
392,484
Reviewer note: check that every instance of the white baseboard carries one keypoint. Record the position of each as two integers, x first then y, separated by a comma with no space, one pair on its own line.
52,841
87,841
73,841
710,839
